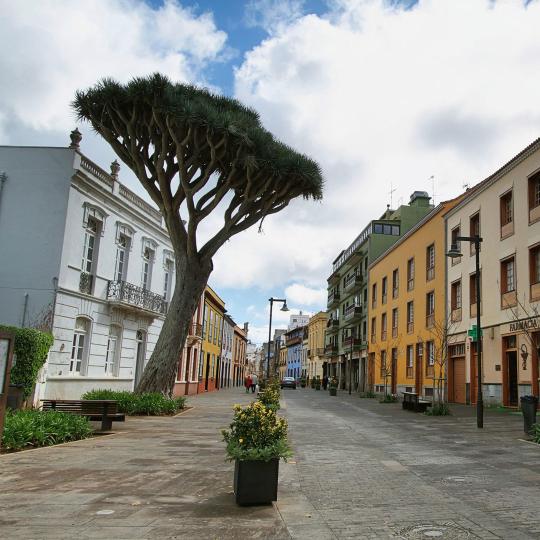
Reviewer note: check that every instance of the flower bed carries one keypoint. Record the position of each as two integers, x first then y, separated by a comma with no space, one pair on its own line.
148,403
32,428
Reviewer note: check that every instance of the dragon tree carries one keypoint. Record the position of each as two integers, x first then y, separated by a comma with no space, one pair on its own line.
197,154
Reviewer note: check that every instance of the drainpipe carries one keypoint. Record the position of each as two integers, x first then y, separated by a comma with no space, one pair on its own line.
3,180
25,309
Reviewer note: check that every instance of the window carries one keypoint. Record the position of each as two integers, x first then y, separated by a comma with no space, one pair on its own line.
122,248
472,293
410,361
112,350
395,283
90,245
384,289
430,262
534,198
430,309
394,322
508,282
374,295
455,301
455,233
78,348
383,326
474,230
383,364
507,215
373,329
430,358
534,272
410,317
168,268
148,259
410,274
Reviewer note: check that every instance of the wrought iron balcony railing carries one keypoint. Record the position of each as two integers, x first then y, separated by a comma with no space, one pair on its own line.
136,297
331,349
352,282
352,312
86,282
333,298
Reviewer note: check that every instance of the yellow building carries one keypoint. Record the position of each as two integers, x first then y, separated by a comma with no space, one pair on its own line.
407,316
209,366
282,360
316,332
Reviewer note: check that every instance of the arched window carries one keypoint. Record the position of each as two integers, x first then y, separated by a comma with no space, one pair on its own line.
113,350
80,345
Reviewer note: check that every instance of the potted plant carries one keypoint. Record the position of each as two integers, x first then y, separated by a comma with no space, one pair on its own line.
256,441
318,383
269,397
333,386
303,382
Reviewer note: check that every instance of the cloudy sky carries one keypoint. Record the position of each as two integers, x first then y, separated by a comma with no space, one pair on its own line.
383,94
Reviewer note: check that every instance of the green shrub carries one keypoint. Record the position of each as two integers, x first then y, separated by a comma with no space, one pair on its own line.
535,433
148,403
256,433
269,397
31,348
33,428
369,395
388,398
438,409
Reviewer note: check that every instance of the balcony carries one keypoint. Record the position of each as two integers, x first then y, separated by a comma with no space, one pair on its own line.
86,282
331,349
332,325
353,312
129,296
353,282
333,299
353,343
290,341
194,334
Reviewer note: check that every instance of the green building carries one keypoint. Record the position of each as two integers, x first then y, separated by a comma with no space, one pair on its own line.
347,308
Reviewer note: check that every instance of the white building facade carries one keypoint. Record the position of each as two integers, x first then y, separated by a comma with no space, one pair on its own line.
87,257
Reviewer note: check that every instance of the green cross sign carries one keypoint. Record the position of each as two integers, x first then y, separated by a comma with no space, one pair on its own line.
473,333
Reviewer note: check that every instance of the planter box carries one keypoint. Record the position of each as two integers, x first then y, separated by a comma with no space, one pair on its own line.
333,391
317,387
256,482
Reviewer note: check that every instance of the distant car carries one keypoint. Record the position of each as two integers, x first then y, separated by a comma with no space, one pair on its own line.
288,382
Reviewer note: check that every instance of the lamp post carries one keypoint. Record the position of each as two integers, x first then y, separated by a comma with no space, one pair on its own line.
283,308
453,253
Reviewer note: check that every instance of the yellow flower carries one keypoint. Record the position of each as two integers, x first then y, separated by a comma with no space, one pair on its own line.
240,441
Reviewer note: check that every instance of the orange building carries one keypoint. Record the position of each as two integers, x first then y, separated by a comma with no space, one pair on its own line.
407,319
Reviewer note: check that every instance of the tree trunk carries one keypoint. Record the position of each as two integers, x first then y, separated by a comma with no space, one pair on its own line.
160,372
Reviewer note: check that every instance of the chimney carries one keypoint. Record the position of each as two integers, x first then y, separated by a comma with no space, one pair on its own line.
419,198
246,327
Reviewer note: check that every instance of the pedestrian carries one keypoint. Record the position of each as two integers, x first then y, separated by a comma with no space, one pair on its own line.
247,383
324,382
253,383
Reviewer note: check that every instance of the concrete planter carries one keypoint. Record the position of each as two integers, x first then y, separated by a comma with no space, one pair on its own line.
256,482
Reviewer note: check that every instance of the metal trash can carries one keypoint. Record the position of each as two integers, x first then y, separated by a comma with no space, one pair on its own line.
15,397
528,407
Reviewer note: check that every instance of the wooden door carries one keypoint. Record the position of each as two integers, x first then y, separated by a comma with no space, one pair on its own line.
458,380
512,378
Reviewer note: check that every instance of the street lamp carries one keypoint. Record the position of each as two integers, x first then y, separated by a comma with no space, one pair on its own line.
283,308
453,253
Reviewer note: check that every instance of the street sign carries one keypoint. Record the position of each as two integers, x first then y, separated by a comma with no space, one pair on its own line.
473,333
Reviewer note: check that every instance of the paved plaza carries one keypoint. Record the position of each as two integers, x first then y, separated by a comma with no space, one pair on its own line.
360,470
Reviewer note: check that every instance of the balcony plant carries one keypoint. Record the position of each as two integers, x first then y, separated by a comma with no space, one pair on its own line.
256,440
333,386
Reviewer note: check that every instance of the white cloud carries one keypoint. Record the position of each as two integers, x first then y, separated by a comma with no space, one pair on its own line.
382,95
52,47
306,296
273,15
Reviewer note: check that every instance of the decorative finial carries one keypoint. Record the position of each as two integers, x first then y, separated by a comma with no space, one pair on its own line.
115,169
76,138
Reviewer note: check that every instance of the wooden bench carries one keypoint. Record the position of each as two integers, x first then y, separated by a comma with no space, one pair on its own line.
105,410
413,402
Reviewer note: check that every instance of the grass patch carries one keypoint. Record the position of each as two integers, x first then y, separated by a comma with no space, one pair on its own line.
146,404
31,428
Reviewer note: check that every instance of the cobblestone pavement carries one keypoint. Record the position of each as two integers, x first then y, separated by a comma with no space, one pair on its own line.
360,470
369,470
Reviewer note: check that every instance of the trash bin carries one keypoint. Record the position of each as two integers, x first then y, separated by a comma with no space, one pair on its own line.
528,407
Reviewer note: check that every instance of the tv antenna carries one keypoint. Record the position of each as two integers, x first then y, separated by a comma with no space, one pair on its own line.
391,193
432,178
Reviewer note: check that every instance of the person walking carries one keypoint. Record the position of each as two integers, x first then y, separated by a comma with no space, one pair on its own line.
247,383
254,380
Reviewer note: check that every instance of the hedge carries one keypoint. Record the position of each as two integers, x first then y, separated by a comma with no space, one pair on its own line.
31,349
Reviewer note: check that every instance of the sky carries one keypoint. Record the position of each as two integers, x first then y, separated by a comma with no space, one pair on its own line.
383,94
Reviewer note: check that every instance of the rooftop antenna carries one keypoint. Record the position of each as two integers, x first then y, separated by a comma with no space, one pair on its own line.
391,193
465,186
432,178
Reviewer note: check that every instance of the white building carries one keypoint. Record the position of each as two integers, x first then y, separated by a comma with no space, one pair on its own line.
85,256
227,352
297,320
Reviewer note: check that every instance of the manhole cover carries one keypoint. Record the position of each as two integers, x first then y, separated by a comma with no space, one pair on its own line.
104,512
445,531
464,480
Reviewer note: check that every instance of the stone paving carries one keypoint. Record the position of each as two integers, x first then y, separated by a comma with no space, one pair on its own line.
360,470
370,470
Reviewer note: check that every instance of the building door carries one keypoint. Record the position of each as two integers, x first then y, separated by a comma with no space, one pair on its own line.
207,372
418,368
458,394
394,371
512,377
140,339
218,374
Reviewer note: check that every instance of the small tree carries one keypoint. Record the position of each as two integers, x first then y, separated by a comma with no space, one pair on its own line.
195,153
